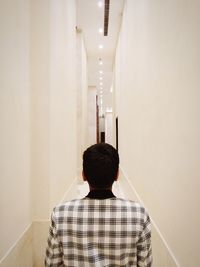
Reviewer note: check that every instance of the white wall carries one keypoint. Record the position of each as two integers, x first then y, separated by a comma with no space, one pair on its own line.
38,118
40,100
158,111
15,178
63,98
109,128
92,120
82,100
54,103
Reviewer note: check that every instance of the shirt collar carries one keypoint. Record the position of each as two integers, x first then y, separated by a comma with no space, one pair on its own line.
100,194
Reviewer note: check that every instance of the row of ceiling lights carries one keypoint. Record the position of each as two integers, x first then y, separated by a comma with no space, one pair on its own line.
100,5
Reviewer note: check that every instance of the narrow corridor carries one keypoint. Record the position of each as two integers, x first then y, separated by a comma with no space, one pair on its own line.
78,72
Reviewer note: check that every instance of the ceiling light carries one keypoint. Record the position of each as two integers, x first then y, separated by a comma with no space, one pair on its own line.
100,4
100,71
100,61
100,46
100,30
108,109
100,78
101,83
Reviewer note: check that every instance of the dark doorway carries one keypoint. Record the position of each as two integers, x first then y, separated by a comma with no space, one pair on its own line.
117,133
97,119
102,137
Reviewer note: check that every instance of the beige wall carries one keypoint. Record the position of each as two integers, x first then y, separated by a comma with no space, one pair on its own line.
109,129
63,98
158,113
54,102
82,100
38,113
40,100
15,178
91,109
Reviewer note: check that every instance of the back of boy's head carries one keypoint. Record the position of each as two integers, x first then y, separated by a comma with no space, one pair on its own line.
100,165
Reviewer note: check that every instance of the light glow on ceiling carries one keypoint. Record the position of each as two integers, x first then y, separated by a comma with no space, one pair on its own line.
100,30
100,4
100,46
108,109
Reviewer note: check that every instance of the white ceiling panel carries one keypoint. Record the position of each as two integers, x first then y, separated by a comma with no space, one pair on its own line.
89,19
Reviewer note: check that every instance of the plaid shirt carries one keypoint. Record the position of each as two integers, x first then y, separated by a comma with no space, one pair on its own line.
92,232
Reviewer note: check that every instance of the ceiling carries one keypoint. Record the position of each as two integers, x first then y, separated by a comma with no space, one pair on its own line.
90,17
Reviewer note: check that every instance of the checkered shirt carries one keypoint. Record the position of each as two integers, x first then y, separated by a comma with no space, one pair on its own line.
94,233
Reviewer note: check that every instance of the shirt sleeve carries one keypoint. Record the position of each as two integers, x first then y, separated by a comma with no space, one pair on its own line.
144,249
54,250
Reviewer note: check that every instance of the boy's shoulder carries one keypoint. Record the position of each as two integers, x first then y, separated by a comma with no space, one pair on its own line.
77,203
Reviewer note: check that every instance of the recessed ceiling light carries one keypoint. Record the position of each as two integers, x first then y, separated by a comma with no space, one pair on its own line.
100,46
100,71
100,78
100,4
100,30
100,62
101,83
108,109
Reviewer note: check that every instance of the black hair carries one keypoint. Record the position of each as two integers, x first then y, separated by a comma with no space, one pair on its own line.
100,165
